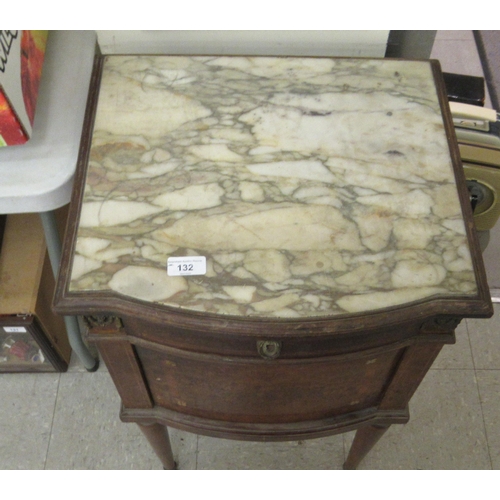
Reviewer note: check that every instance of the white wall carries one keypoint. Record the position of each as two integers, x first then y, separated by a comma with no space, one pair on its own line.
350,43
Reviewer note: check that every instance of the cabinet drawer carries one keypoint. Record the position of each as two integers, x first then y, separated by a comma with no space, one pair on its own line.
253,390
292,344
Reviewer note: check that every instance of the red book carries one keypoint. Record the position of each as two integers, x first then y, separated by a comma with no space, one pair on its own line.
21,60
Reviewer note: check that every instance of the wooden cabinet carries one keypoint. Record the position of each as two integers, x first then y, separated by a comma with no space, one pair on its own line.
323,207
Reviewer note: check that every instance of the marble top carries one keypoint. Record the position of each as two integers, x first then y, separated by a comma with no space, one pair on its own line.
312,186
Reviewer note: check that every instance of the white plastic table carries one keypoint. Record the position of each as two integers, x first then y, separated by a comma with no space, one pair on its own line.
38,176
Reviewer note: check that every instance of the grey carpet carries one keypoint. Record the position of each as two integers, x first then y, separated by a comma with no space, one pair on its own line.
488,46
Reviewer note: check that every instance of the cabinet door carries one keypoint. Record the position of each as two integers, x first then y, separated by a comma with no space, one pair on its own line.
260,391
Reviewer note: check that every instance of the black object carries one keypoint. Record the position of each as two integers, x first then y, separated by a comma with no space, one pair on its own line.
3,219
476,193
464,88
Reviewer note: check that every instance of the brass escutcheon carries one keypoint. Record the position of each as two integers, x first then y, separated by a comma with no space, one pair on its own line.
269,349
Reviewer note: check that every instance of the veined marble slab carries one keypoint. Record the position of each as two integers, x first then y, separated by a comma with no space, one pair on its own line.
313,186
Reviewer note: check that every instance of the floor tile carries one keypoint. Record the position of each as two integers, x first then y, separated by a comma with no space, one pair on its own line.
88,434
445,431
489,391
454,35
456,356
311,454
458,55
484,336
27,402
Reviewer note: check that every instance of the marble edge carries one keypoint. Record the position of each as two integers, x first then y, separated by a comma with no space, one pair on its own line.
107,302
459,173
77,192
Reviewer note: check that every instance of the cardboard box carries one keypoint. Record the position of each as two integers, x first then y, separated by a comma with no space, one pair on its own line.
21,59
32,336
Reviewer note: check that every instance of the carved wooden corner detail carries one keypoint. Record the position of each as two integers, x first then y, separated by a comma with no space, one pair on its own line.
440,324
104,323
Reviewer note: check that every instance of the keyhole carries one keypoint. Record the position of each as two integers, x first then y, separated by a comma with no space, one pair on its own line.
269,349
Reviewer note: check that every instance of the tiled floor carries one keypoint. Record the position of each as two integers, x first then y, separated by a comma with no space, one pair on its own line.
70,420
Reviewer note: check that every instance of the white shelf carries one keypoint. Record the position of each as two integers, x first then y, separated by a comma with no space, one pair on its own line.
38,176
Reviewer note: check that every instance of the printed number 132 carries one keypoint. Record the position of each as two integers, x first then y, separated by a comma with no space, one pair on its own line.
185,267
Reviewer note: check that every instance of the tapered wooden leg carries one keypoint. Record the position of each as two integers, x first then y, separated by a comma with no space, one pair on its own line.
157,435
364,440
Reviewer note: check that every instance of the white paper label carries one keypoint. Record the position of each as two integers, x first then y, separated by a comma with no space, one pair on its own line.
186,266
14,329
